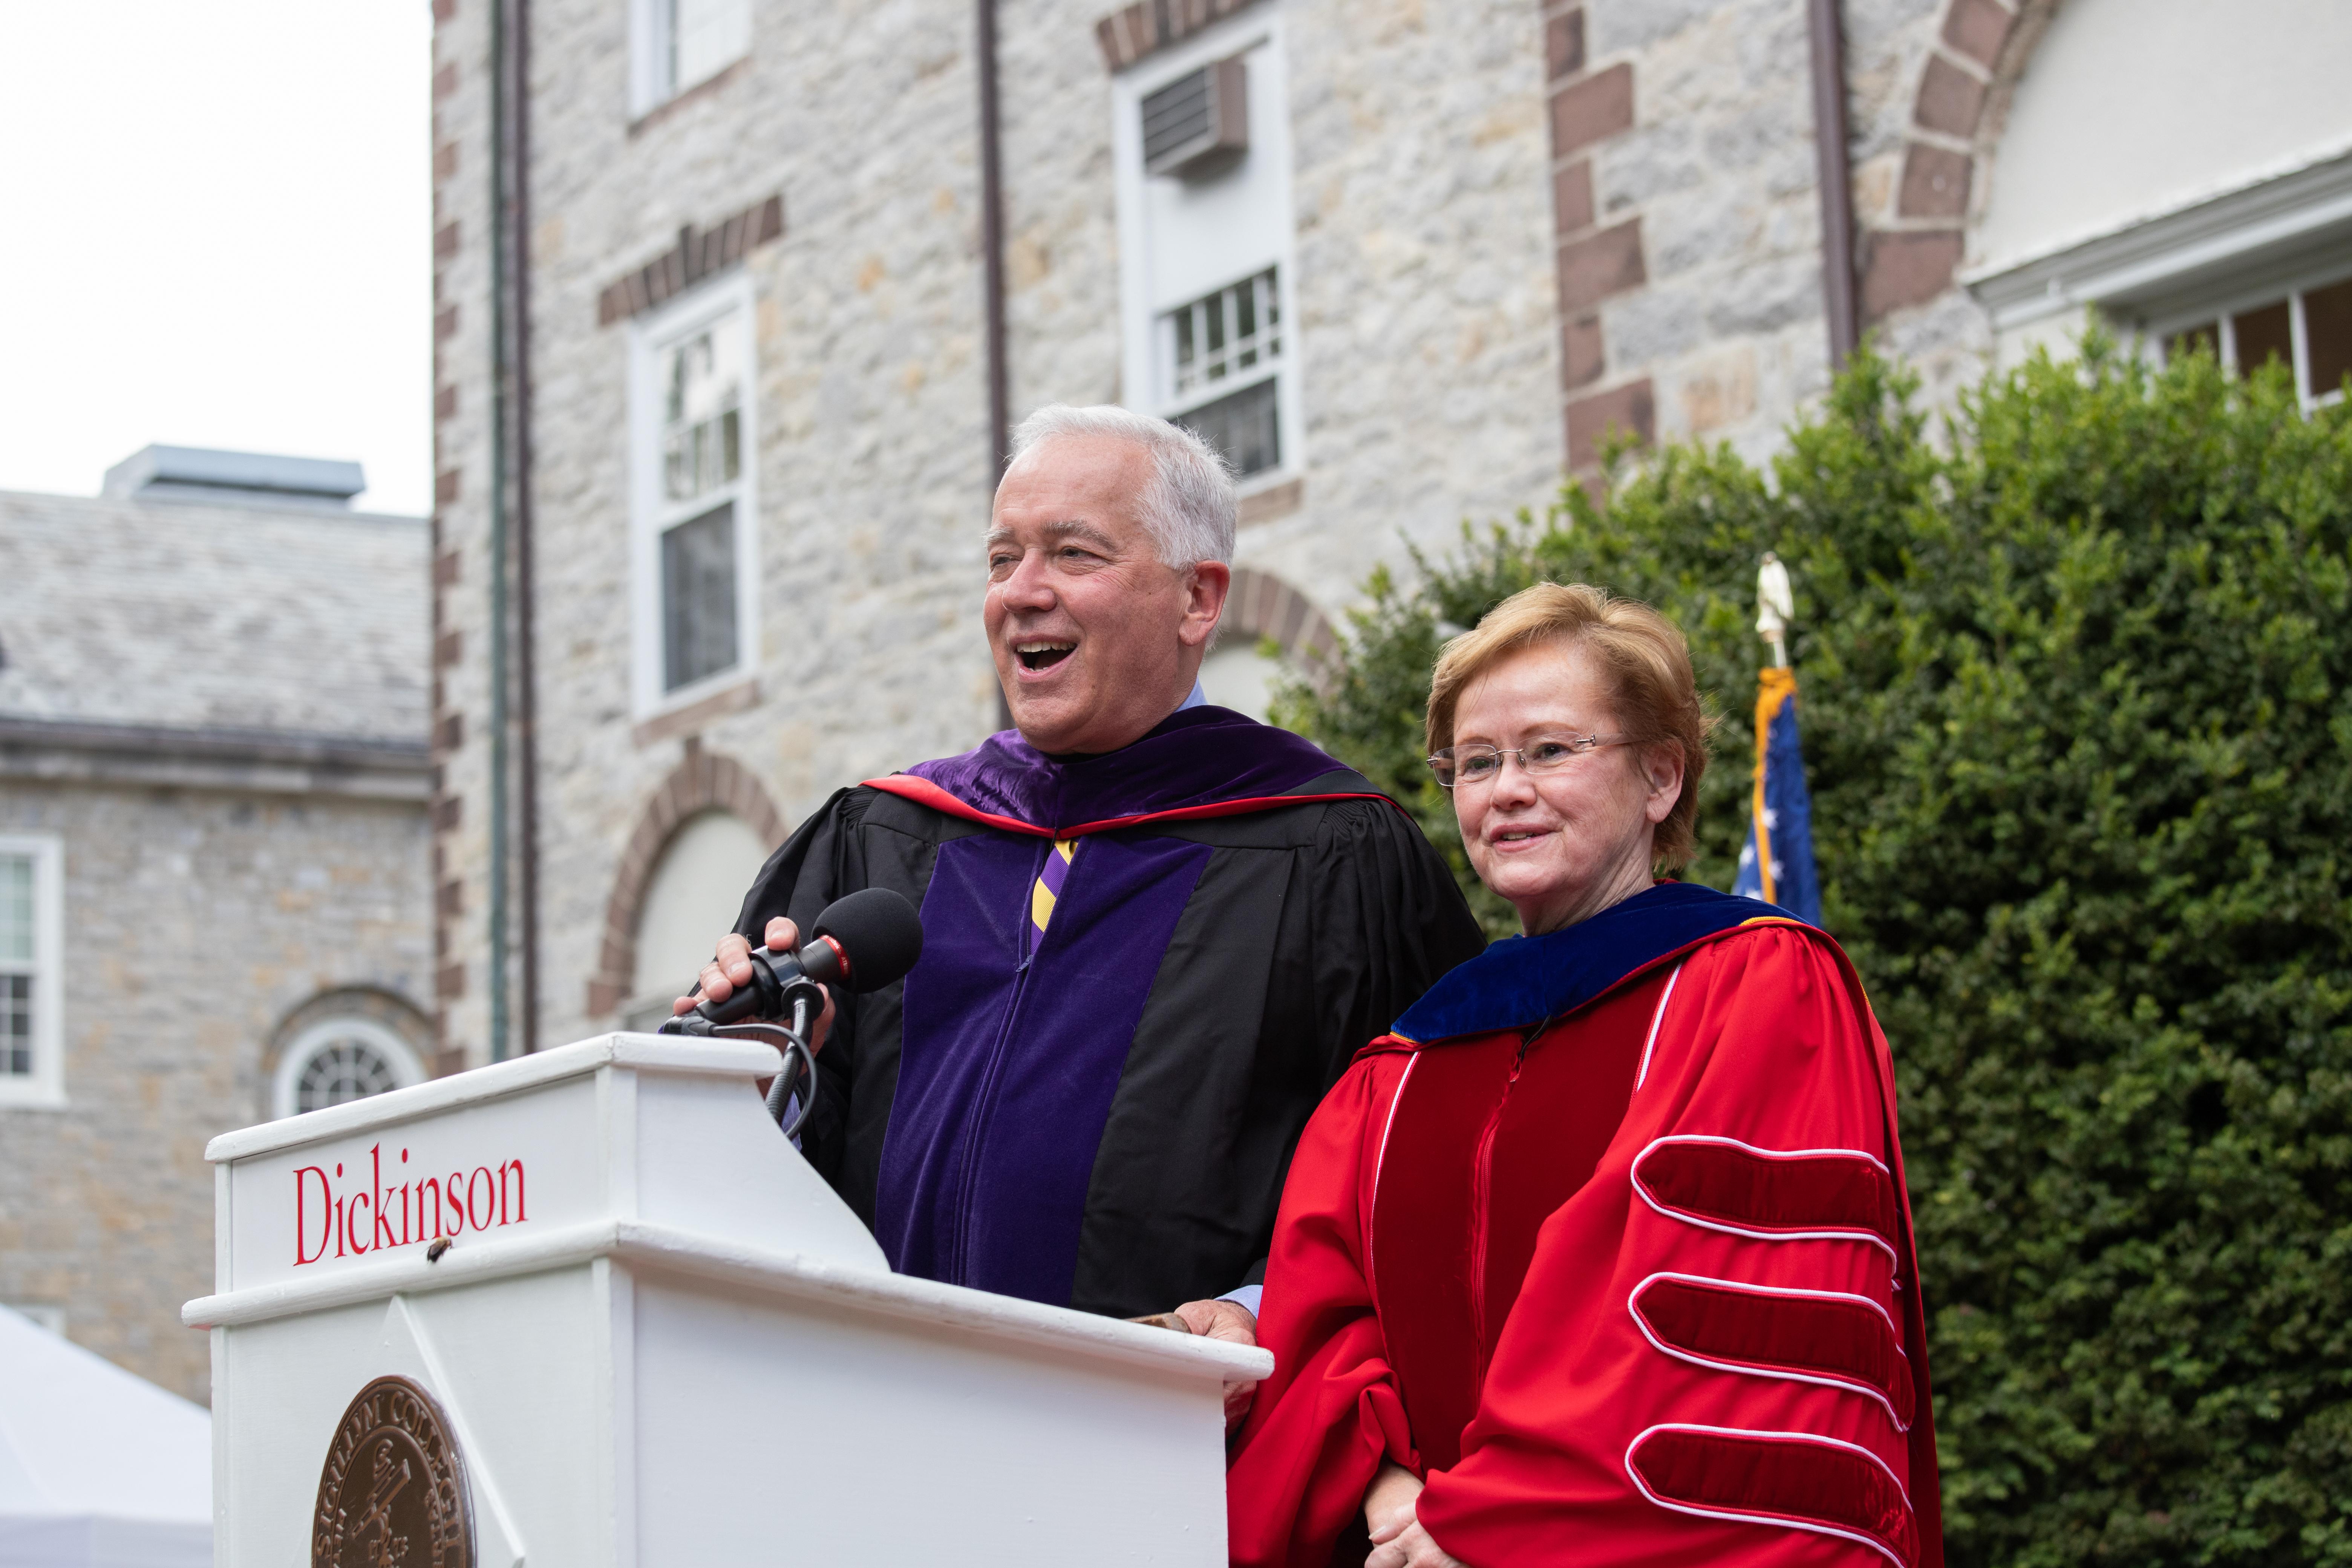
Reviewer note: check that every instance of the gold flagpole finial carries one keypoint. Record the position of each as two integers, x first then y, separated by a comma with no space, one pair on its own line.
1775,608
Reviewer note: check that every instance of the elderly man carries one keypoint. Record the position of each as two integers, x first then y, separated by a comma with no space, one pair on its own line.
1155,932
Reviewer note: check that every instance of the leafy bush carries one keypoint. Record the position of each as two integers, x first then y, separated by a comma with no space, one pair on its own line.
2077,707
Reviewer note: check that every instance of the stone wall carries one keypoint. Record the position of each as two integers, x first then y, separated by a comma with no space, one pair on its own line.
871,441
1423,243
1425,271
198,926
1517,225
1684,131
462,367
1422,260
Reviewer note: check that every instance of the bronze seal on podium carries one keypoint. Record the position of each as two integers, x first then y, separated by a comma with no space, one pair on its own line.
392,1494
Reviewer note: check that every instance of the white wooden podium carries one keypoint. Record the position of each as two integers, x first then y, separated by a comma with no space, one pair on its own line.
655,1337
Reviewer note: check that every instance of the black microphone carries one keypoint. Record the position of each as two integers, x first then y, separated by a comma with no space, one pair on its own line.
863,941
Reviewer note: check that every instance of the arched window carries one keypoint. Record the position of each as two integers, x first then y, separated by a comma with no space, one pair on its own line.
339,1059
1237,673
691,901
627,987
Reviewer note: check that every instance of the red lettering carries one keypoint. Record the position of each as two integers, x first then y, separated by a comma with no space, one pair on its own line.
380,1237
491,1195
516,1166
326,1213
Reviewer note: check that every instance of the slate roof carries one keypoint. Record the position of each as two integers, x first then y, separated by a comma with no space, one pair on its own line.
202,617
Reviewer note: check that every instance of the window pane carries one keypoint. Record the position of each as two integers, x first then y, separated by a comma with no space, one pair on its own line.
1242,425
698,597
2327,336
16,1024
2205,340
705,37
1231,330
701,416
2263,335
16,908
343,1070
674,410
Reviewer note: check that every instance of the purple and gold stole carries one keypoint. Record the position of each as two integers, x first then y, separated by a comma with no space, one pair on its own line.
1047,889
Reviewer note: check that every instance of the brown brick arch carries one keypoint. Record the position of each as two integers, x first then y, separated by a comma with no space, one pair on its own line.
403,1016
701,782
1911,250
1263,605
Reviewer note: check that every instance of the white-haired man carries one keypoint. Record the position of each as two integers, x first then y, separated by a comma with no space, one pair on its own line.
1155,930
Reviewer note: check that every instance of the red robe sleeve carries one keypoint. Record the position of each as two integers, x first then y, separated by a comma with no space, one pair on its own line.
1319,1428
1715,1356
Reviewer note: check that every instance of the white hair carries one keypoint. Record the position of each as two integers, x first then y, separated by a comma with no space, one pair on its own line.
1188,504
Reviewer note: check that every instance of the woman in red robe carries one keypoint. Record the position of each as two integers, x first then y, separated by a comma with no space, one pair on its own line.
1603,1255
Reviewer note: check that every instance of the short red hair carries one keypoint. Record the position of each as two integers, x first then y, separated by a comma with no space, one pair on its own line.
1643,659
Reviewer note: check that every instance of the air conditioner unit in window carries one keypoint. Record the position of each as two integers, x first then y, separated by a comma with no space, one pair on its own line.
1198,125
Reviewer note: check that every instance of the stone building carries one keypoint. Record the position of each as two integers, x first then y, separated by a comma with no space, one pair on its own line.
736,299
213,861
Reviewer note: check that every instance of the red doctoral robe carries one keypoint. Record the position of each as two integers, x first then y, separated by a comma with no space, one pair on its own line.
1635,1285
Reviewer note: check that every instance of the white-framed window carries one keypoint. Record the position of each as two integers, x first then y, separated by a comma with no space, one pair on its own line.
2306,325
674,43
339,1059
2258,270
32,938
694,508
1201,137
1222,354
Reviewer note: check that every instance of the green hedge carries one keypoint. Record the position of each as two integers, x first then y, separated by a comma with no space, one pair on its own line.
2077,712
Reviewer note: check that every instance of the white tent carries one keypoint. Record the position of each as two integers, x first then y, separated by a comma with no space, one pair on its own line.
97,1468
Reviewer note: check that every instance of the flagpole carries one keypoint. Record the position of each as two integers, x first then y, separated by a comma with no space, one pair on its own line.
1776,606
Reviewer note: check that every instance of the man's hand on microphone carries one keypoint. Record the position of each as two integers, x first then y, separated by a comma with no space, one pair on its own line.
1231,1322
731,969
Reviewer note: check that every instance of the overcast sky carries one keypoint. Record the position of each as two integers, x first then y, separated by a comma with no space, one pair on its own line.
215,230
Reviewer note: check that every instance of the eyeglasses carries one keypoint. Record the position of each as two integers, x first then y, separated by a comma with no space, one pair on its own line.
1479,765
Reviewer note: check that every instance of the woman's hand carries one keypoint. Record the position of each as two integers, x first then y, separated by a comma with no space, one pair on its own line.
1398,1540
1402,1544
1392,1489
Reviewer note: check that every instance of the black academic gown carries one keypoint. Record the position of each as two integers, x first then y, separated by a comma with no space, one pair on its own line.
1101,1114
